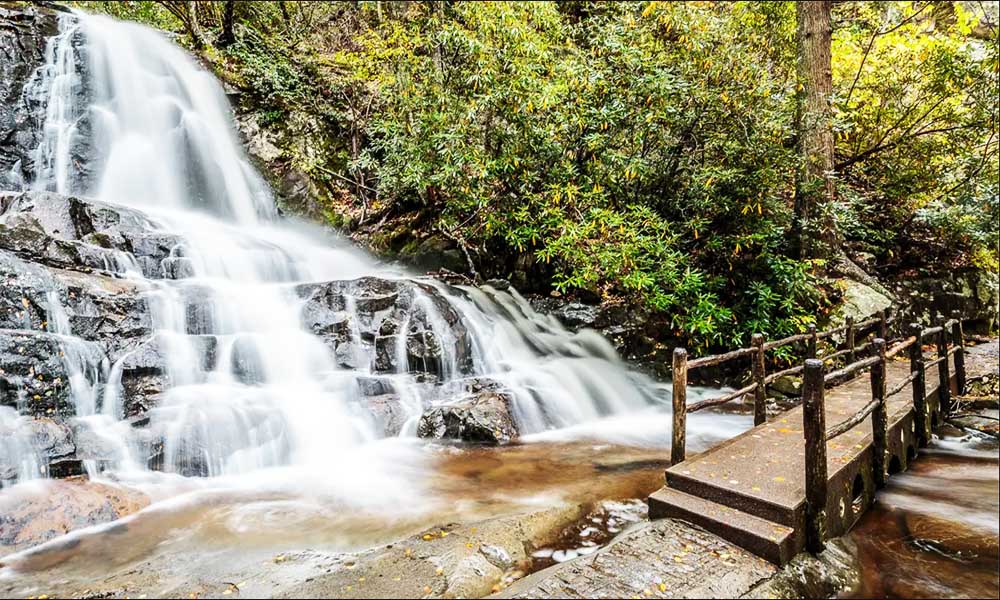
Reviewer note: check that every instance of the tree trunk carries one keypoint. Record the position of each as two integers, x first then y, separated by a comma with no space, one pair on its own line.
227,24
815,229
197,38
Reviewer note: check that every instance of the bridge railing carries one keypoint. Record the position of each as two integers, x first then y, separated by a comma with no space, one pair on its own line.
815,381
758,377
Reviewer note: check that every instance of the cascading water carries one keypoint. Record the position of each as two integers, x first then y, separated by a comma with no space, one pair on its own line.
249,386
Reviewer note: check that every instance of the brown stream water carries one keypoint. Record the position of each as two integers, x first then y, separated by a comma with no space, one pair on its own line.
933,531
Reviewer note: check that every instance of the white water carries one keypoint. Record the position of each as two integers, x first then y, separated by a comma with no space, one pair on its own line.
163,140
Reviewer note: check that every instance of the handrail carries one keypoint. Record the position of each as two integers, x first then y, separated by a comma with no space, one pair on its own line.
715,359
708,361
849,424
931,331
779,374
851,368
935,362
903,345
721,399
948,333
798,337
836,354
829,332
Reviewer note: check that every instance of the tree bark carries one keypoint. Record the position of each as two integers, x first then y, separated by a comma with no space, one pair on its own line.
227,37
815,228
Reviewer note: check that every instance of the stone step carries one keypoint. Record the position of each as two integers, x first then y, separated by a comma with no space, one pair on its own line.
756,505
767,539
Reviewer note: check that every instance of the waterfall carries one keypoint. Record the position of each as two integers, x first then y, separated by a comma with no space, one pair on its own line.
249,386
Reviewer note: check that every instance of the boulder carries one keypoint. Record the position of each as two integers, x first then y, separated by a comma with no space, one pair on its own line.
388,412
32,515
974,293
859,302
482,417
789,386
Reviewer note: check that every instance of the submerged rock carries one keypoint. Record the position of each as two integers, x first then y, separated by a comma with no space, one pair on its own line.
482,417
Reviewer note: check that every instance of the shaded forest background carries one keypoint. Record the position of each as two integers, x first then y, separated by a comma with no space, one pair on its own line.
636,153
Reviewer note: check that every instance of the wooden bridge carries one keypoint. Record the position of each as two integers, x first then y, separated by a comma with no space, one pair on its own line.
792,482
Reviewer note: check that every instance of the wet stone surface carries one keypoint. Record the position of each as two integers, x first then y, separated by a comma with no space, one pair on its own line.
661,559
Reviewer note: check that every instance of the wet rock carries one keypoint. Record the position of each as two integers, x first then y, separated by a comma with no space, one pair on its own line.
374,386
23,39
71,233
144,370
33,376
389,413
363,319
35,514
482,418
497,556
246,362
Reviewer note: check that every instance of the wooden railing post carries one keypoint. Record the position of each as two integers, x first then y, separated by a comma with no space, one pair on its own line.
850,340
883,325
958,339
812,341
757,371
944,381
814,428
919,384
679,433
880,416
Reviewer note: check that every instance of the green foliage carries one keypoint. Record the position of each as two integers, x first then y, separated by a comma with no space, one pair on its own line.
917,131
642,151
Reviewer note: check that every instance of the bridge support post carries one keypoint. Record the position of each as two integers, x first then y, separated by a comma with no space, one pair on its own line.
919,385
944,381
758,373
850,340
679,431
958,339
811,352
814,428
883,325
880,416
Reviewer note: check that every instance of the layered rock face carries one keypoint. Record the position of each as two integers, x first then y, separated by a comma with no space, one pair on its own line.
23,37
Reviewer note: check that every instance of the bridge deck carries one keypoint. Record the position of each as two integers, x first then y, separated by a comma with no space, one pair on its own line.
760,474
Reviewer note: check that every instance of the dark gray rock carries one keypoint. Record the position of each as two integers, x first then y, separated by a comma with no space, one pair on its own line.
33,375
362,320
481,418
23,37
71,233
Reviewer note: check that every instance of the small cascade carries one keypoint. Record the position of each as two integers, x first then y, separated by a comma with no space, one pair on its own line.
21,461
57,84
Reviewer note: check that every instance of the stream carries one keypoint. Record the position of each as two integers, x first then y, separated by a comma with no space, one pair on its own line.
934,531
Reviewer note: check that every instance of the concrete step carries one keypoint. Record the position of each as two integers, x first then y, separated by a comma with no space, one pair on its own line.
767,539
759,504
